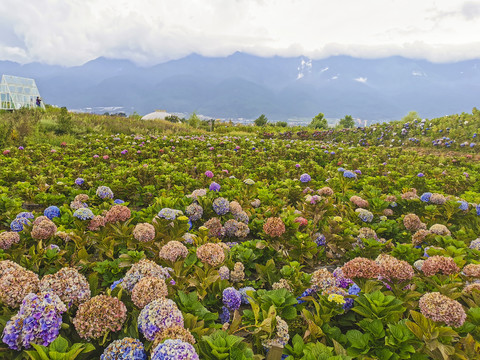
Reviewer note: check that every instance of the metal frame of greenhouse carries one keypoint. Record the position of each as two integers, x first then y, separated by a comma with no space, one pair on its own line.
17,92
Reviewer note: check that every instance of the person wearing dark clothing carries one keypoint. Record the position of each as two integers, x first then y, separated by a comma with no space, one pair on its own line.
39,101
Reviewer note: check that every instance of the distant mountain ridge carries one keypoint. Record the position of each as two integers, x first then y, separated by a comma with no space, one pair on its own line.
245,86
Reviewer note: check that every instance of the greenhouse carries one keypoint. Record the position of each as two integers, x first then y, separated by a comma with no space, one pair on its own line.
17,92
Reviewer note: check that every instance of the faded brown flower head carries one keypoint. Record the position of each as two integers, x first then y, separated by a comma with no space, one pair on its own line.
214,226
322,279
174,332
173,251
387,212
438,199
359,202
282,284
361,268
419,236
81,198
274,227
8,238
68,284
238,274
235,207
43,229
441,308
393,269
439,264
413,223
472,287
118,213
16,282
472,270
391,198
439,229
98,315
325,191
96,223
410,195
148,289
211,254
144,232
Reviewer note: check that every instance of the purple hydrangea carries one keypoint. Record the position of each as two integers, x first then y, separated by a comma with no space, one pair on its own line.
320,239
174,350
420,174
214,187
124,349
243,294
477,209
118,201
169,214
225,315
17,224
51,212
426,197
304,178
157,316
38,321
307,292
79,181
463,205
231,298
104,192
209,174
221,206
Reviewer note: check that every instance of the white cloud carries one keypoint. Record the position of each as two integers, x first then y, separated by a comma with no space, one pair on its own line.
362,80
150,31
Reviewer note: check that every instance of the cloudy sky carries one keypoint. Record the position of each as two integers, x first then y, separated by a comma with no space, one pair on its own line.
72,32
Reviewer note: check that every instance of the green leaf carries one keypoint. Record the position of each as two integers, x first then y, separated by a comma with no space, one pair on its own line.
59,344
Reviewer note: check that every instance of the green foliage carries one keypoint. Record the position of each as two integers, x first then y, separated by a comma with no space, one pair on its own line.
319,122
261,120
346,122
299,350
376,305
64,122
222,346
59,349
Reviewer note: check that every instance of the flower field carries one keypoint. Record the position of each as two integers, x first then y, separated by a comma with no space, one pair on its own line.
341,244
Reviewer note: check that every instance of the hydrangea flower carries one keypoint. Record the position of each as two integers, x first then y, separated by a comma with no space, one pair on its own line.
124,349
214,187
158,315
209,174
463,205
169,214
79,181
364,215
104,192
221,206
52,212
38,321
83,214
304,178
348,174
174,350
244,295
426,197
231,298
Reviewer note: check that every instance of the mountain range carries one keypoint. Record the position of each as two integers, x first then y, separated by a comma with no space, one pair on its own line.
245,86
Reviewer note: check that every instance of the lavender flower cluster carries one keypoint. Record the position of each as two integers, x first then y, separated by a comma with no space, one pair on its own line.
38,321
158,315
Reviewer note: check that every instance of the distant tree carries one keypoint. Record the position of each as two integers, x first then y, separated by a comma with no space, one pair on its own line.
261,120
194,121
412,115
64,122
281,124
319,122
347,122
173,119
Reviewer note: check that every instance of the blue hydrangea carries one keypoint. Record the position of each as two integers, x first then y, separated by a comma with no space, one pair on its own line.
214,186
104,192
51,212
115,284
340,169
304,178
169,214
25,215
364,215
17,224
354,290
38,321
426,197
463,205
477,209
221,206
124,349
348,174
243,294
231,298
224,315
79,181
118,201
174,350
307,292
83,214
320,239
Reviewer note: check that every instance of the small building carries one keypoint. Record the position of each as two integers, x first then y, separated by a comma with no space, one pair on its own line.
17,92
157,115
